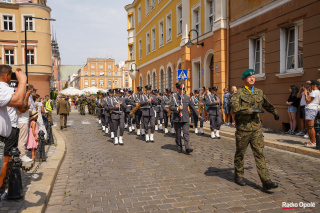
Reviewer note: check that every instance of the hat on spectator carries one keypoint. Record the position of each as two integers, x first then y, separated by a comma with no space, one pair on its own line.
248,72
33,114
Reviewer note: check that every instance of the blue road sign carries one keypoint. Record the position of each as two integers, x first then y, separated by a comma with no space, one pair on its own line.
182,74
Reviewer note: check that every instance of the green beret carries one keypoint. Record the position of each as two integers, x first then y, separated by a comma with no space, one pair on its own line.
248,72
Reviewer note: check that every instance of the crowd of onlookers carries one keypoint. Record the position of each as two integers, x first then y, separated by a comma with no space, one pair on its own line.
23,113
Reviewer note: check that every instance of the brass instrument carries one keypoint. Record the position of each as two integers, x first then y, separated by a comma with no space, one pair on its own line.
202,107
169,112
135,109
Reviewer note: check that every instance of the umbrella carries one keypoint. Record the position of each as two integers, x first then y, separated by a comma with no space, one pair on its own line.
91,90
71,91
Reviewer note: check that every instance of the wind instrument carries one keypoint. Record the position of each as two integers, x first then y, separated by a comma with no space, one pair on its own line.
135,109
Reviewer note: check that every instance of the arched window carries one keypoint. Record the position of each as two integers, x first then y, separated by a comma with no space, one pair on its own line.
169,78
161,80
154,80
140,81
148,79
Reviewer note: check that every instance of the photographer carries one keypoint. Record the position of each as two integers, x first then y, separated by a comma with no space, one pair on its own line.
9,98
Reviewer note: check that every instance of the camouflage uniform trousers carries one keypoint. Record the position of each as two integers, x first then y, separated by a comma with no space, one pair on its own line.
82,109
256,140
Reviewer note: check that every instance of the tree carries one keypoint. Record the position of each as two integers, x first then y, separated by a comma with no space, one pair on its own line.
66,85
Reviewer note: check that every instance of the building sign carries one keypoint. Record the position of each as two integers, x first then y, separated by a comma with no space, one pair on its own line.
216,67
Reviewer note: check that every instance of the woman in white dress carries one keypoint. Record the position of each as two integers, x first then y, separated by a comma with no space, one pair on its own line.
40,110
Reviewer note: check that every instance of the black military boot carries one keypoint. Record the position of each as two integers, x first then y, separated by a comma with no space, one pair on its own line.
189,151
269,185
179,149
240,181
61,127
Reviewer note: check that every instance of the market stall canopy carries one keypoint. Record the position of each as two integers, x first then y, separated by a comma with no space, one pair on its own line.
71,91
91,90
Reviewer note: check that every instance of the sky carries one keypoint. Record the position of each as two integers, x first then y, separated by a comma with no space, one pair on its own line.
94,28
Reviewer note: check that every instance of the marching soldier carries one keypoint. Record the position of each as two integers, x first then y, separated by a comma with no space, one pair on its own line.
117,106
166,100
82,105
213,103
179,107
148,101
126,114
97,103
198,104
247,104
138,114
108,114
101,111
158,109
130,104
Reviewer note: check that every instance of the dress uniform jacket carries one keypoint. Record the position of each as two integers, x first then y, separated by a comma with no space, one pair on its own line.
147,107
212,107
117,112
185,102
63,107
130,104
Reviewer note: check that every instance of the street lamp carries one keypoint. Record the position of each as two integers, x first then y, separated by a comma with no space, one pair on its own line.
189,44
25,38
131,70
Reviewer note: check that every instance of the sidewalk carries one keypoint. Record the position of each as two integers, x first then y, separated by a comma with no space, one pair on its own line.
38,183
282,141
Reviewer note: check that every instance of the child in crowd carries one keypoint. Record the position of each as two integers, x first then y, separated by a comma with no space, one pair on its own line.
33,133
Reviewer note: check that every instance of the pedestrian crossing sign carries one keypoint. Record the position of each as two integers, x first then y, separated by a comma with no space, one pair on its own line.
182,74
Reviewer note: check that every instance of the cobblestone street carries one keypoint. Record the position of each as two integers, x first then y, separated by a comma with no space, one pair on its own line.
97,176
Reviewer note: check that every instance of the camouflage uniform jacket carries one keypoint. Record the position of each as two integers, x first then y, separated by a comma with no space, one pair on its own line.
243,103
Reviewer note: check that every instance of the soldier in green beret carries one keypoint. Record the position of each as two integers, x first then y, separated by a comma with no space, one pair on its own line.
247,104
82,105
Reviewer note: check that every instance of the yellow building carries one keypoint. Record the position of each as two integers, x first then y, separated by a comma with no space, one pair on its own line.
12,40
157,35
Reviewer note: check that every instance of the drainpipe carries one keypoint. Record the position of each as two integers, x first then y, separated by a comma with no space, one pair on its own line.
228,46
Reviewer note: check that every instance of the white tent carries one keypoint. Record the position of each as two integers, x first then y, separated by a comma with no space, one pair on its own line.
71,91
91,90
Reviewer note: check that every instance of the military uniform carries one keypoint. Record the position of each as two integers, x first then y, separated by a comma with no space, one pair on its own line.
137,116
181,118
197,101
108,114
247,104
130,105
82,105
213,103
159,111
165,105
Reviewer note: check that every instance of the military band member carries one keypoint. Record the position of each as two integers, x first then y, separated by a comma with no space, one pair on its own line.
166,100
198,102
158,109
213,103
125,95
108,114
102,111
138,114
117,106
247,104
130,105
179,107
148,102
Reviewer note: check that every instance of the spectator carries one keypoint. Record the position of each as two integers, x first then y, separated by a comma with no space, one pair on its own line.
48,106
33,133
233,92
226,105
9,98
41,111
76,103
293,103
303,104
312,99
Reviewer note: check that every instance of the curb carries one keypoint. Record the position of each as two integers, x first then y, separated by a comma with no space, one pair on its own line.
50,172
299,149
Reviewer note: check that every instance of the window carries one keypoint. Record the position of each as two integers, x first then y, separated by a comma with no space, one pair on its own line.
29,23
139,15
126,73
147,7
92,66
257,54
127,82
109,83
92,73
210,11
101,66
115,73
116,83
6,0
148,43
169,29
161,36
140,49
101,73
153,4
8,23
101,83
9,57
131,52
153,38
85,73
109,73
179,20
30,56
196,15
291,48
130,21
86,83
109,66
93,83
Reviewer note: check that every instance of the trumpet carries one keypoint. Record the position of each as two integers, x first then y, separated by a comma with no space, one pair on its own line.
134,110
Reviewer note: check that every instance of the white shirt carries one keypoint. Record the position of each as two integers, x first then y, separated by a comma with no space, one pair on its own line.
13,114
24,118
315,102
303,99
5,97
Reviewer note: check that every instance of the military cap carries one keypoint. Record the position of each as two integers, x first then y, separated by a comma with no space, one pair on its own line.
148,87
180,86
117,90
139,88
130,92
196,91
168,91
215,88
103,94
111,90
107,93
248,72
156,90
125,90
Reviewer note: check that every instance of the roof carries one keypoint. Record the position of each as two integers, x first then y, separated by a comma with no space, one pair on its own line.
66,70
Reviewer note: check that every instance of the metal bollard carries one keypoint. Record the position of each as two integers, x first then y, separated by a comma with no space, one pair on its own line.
15,191
317,129
41,154
50,136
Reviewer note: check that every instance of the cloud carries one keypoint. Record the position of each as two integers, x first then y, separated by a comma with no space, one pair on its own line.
90,29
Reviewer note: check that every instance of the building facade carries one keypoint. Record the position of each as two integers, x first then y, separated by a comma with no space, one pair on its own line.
12,43
280,40
101,73
157,35
56,63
